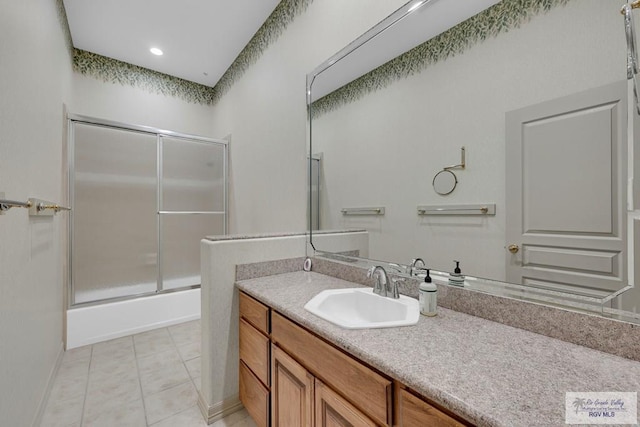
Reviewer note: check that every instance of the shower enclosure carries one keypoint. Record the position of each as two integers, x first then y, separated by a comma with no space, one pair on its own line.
142,199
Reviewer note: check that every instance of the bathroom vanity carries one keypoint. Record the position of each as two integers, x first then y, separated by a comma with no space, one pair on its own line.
450,370
291,377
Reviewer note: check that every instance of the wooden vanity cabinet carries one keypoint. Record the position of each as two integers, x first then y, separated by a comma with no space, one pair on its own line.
289,377
254,364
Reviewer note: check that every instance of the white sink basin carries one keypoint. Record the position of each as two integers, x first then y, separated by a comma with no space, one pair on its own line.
360,308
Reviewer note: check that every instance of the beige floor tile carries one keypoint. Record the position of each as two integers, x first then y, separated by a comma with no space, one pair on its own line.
194,366
113,365
189,351
167,376
74,366
155,362
107,398
111,345
197,382
170,402
189,418
186,333
104,384
185,327
247,422
116,371
112,355
77,354
152,335
156,335
67,388
65,413
70,369
153,342
128,414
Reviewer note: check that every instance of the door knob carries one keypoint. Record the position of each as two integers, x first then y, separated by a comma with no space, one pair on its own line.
513,248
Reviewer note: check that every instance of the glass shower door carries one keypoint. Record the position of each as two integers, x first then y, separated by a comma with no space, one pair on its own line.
142,200
192,205
114,188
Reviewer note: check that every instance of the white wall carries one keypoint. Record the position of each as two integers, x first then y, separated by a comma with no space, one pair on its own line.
266,114
34,82
385,149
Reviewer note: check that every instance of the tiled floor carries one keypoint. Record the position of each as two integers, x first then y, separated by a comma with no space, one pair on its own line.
149,379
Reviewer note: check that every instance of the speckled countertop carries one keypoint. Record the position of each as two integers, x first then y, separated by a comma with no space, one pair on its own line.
488,373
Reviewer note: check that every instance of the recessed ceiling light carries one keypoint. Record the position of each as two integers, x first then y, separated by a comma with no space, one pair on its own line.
156,51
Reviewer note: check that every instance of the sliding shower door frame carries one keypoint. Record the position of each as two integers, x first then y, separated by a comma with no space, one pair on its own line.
159,133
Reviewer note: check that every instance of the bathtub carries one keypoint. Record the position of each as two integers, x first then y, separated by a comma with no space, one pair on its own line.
102,322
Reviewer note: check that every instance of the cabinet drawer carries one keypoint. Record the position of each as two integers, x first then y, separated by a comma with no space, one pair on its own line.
254,396
415,412
333,410
366,389
254,312
254,351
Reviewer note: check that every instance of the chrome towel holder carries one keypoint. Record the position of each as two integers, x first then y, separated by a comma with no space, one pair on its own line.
37,207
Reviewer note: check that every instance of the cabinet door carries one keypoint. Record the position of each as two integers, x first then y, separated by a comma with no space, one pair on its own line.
291,391
333,411
415,412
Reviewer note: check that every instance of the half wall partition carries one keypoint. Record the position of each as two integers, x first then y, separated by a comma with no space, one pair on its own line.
142,199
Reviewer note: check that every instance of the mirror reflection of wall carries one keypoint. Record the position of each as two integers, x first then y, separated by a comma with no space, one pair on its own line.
383,147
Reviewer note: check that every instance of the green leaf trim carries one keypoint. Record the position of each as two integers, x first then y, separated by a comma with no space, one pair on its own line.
498,19
114,71
284,14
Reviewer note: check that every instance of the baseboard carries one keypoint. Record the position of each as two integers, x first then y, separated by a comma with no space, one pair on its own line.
37,420
220,410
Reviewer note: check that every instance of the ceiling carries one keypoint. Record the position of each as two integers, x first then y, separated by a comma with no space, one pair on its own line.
200,38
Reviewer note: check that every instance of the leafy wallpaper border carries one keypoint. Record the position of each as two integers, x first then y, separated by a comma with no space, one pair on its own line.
284,14
114,71
498,19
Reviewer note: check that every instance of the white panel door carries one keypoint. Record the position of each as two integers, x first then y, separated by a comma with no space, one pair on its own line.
566,192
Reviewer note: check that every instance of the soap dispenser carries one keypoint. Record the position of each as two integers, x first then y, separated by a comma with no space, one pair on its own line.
428,296
456,278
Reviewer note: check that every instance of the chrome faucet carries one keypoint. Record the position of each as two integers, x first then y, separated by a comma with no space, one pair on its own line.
414,266
383,286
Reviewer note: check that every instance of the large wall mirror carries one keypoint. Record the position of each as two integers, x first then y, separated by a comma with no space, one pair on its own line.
526,104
